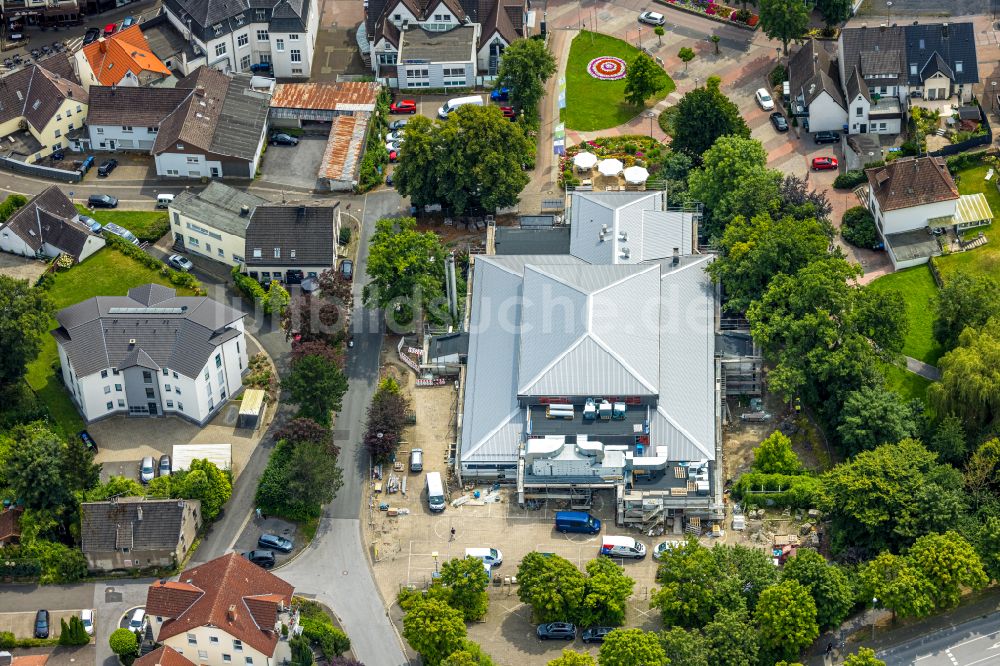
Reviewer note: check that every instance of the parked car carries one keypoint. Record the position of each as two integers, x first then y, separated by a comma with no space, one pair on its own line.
825,137
146,470
347,269
395,135
398,124
87,440
559,630
129,22
121,232
262,558
508,112
163,469
261,68
652,18
764,99
779,122
282,139
393,145
403,106
596,634
665,547
92,36
276,542
824,164
42,624
393,155
138,621
107,166
500,94
58,156
182,264
94,225
87,617
110,29
102,201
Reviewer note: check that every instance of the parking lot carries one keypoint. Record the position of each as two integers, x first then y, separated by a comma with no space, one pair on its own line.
22,625
295,166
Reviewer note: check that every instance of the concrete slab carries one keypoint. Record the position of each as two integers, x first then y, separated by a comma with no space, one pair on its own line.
296,166
21,268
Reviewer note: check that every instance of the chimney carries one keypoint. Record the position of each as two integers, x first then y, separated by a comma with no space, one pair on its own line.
244,210
677,256
231,613
881,27
199,91
138,513
102,45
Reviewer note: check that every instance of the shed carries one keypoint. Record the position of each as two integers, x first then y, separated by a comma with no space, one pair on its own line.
221,455
251,409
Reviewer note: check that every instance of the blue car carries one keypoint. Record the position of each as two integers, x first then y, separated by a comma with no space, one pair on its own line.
128,22
500,95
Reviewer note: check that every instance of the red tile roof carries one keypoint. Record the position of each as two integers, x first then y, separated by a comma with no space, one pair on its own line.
236,596
125,51
910,182
163,656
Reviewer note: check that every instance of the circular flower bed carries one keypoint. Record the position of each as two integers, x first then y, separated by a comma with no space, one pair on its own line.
607,68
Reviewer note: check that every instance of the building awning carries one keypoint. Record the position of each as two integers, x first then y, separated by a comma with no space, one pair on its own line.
973,209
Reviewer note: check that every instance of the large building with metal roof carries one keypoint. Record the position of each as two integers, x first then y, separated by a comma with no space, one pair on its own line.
151,353
597,369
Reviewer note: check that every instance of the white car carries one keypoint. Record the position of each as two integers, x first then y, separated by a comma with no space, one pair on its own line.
652,18
180,263
87,617
396,135
664,547
393,145
764,99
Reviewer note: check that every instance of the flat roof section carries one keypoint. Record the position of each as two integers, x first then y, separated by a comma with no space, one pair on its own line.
539,240
634,424
910,245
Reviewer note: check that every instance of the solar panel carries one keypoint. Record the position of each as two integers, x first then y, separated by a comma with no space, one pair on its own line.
176,311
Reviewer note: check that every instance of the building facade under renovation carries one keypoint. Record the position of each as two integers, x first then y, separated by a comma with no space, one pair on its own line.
597,369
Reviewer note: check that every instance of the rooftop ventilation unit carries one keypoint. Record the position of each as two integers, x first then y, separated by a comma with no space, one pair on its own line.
623,236
625,253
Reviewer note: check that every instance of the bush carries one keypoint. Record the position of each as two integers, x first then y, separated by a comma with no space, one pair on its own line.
10,205
331,641
7,640
124,644
778,75
964,160
176,278
248,286
272,490
781,490
849,179
345,235
858,228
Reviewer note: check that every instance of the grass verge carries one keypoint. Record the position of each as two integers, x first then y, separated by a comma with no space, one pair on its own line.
145,224
972,180
920,294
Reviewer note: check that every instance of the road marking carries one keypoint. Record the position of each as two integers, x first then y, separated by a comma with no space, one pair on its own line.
239,532
979,661
973,640
951,656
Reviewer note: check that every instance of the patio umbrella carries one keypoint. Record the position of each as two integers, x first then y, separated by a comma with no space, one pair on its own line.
636,174
585,160
610,167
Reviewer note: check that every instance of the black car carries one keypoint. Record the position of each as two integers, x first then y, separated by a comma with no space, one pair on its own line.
276,542
596,634
42,624
398,124
164,467
84,436
107,166
282,139
58,156
779,122
92,35
262,558
826,137
347,269
101,201
557,630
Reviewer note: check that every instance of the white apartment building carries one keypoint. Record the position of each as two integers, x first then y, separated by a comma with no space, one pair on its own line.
213,223
151,353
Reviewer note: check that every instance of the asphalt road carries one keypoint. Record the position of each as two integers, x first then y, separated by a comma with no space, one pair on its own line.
976,642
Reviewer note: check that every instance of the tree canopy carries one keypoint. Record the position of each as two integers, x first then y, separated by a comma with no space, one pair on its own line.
525,67
970,382
643,78
572,658
692,587
24,318
632,647
786,619
834,11
872,415
317,386
551,585
606,594
783,20
949,563
965,300
466,581
863,657
775,456
897,584
703,115
433,629
828,585
732,638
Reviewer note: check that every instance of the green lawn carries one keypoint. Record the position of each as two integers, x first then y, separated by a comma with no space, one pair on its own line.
920,294
906,384
106,273
147,225
592,104
972,180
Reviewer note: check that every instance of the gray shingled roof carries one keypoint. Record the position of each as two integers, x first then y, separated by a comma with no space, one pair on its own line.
132,522
454,45
176,332
952,43
36,94
811,71
133,106
289,16
305,231
218,206
50,217
241,123
874,51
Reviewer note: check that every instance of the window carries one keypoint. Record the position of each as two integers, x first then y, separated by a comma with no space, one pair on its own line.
114,371
296,55
221,253
121,403
58,116
453,71
180,146
104,374
203,655
397,17
959,67
245,62
238,645
913,69
58,133
194,242
180,406
293,37
69,112
177,390
277,253
257,253
222,394
279,44
882,127
170,404
175,374
110,405
860,111
107,390
70,127
249,661
211,405
387,58
206,374
166,387
261,15
192,639
192,160
291,253
118,388
152,130
79,109
173,172
243,40
227,658
296,70
222,379
265,58
220,49
218,360
147,377
100,130
149,394
238,259
127,128
166,373
213,639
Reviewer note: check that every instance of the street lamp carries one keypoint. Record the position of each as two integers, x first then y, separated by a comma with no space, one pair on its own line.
650,115
888,11
874,601
994,84
435,556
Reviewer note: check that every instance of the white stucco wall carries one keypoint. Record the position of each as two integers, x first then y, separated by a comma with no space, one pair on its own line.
232,246
181,165
856,119
204,651
825,115
113,138
908,219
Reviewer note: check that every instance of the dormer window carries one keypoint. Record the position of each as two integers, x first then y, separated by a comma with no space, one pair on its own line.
257,253
291,253
277,253
923,45
218,29
958,67
913,69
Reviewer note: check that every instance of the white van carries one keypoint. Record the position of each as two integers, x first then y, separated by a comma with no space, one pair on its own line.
164,200
622,546
435,492
138,620
490,556
452,104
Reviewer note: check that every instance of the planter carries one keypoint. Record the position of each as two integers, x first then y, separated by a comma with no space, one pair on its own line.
697,12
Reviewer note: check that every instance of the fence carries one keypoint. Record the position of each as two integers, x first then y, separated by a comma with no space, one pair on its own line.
40,171
984,140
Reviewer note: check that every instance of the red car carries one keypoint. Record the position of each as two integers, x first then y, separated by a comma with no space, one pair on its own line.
824,164
393,156
109,29
403,106
508,112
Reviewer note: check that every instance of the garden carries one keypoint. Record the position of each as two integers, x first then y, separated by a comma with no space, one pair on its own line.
920,294
147,225
716,10
595,83
631,150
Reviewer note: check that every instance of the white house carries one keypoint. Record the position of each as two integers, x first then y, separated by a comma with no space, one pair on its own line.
151,353
225,612
910,197
213,223
814,89
233,36
47,226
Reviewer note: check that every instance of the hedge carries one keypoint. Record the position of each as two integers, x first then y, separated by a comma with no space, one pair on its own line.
10,205
963,160
858,228
781,490
272,489
250,287
849,179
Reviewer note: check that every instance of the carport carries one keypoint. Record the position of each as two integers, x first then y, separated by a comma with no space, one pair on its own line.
251,409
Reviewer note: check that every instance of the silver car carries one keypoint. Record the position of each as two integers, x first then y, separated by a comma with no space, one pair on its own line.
147,470
652,18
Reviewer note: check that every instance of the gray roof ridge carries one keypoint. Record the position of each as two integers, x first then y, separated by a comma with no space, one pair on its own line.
485,438
672,421
551,364
626,278
684,267
632,371
540,271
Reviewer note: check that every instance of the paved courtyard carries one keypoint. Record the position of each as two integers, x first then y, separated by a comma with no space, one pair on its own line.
296,166
21,268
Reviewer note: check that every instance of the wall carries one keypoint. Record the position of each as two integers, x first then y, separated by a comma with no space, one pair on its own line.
908,219
11,242
206,652
937,87
90,246
191,165
309,271
71,114
435,74
854,119
231,245
825,115
483,56
113,138
135,390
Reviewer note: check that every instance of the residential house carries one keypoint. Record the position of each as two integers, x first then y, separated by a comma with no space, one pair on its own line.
288,243
814,88
10,525
941,62
226,611
47,226
210,124
213,223
138,532
395,39
234,35
163,656
151,353
124,59
912,197
45,105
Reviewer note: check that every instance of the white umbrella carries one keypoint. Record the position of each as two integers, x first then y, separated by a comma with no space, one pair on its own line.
636,174
610,167
585,160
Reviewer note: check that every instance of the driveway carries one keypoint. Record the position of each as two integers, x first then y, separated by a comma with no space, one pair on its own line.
21,268
22,624
297,166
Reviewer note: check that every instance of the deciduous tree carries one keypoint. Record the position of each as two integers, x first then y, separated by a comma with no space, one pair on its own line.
970,377
988,547
775,455
692,586
116,486
748,571
783,20
786,619
873,415
732,638
551,585
800,201
643,78
204,481
827,583
317,386
525,67
703,115
35,469
466,581
863,657
898,585
965,300
949,563
433,629
685,647
686,54
949,441
632,647
24,318
470,654
606,594
124,644
572,658
406,266
313,475
834,11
